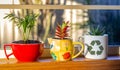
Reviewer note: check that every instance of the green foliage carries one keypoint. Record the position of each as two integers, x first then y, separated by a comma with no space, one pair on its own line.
96,30
88,1
25,23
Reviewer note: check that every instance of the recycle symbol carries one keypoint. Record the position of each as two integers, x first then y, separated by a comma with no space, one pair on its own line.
95,43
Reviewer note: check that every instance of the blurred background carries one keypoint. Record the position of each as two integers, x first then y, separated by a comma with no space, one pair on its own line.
48,19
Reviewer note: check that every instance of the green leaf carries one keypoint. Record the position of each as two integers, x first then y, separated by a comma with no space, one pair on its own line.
98,42
25,23
66,48
99,52
96,30
92,52
89,48
101,47
53,56
92,43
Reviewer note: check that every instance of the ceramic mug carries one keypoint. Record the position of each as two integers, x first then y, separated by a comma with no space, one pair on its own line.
95,47
24,52
63,50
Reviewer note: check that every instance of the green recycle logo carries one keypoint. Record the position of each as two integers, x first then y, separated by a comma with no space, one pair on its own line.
95,43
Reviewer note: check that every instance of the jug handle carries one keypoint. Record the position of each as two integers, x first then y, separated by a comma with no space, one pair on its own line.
82,48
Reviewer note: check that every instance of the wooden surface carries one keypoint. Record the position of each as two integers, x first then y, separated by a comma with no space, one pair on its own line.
111,63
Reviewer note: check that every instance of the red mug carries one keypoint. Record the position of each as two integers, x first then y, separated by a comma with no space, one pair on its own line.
25,52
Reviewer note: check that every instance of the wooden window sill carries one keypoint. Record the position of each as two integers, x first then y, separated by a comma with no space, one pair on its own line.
111,63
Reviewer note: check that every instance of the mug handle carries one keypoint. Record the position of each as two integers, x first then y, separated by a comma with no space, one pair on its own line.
7,55
82,48
81,39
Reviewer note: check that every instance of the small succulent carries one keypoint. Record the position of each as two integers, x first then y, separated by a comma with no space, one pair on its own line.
62,30
96,30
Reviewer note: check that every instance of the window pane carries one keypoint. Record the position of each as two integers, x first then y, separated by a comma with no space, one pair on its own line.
99,2
48,19
108,19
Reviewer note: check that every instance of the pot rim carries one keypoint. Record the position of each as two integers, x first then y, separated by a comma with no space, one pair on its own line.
61,39
105,35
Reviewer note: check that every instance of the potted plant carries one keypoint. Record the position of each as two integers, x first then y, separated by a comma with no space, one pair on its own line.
24,50
61,47
96,43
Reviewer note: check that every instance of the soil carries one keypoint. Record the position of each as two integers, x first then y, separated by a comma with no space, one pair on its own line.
26,42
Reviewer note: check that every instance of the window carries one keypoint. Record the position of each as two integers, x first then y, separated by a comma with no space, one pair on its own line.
49,19
46,23
107,18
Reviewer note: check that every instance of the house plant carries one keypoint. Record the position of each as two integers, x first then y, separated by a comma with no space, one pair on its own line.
96,43
61,47
24,50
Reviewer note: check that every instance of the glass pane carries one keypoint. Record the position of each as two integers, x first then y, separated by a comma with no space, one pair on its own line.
108,19
48,19
99,2
46,24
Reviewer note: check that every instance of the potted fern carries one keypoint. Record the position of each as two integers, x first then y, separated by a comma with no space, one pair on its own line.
24,50
96,43
61,47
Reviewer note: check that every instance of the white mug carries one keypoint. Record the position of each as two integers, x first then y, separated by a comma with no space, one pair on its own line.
95,47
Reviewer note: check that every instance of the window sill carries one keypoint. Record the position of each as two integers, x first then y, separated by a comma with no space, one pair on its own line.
111,63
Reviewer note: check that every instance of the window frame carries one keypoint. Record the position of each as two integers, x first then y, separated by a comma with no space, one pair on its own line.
83,7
